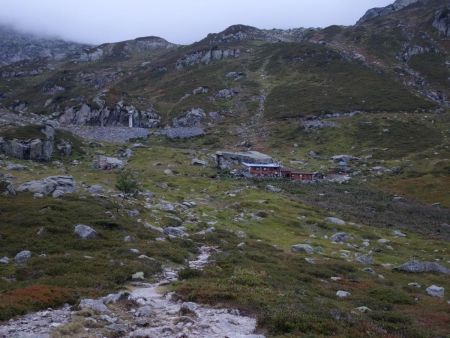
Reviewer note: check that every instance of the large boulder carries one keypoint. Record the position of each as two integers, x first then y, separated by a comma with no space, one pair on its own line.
84,231
435,291
22,257
192,118
306,248
94,305
108,163
418,267
35,149
340,237
53,185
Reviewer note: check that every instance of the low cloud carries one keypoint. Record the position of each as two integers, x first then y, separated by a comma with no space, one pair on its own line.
180,21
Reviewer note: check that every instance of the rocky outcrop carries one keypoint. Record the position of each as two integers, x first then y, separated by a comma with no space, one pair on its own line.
382,11
207,56
192,118
238,33
442,21
410,51
31,149
53,185
99,114
124,49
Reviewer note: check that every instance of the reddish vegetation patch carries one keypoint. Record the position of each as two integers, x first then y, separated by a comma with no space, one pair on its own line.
33,298
433,315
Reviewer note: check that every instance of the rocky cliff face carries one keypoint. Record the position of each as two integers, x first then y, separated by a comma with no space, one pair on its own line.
381,11
16,46
206,56
99,114
442,21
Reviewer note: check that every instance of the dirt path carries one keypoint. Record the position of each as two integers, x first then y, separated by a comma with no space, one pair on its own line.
146,312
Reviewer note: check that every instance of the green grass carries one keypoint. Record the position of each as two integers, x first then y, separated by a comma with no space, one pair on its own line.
61,260
312,80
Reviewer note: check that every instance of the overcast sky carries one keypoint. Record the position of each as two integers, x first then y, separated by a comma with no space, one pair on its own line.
179,21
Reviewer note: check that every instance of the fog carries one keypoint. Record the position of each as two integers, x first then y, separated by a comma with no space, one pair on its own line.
179,21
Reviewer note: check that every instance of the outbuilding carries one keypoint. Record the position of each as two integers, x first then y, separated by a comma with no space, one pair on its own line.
262,170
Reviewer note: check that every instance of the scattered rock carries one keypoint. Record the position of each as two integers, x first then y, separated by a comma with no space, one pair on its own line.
418,267
138,276
53,185
198,162
398,233
235,76
362,309
334,220
343,294
84,231
144,311
200,90
226,93
107,163
340,237
306,248
188,309
113,298
273,189
95,189
168,172
94,305
176,232
133,213
4,260
365,259
435,291
154,228
16,167
415,285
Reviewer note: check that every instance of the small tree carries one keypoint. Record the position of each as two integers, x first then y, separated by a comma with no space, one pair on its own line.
128,183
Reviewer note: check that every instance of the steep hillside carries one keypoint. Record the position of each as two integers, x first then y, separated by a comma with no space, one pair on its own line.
408,39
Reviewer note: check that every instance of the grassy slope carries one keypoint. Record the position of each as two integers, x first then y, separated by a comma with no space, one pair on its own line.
281,288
